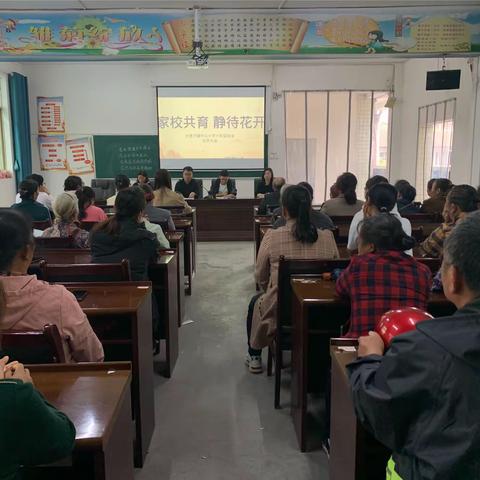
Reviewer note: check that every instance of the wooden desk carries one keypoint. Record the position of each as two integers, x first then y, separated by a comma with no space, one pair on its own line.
185,226
121,316
354,453
96,398
219,220
193,217
318,314
176,242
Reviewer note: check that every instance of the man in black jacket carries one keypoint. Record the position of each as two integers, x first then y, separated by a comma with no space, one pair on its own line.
223,186
271,200
422,398
188,187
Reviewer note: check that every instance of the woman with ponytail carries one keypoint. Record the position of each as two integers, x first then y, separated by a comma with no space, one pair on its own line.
28,193
87,211
297,239
346,202
382,276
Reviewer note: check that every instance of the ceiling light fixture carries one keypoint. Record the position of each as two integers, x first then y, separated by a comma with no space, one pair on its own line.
199,58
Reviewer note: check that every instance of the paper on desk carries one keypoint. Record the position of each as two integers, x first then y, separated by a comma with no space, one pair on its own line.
347,349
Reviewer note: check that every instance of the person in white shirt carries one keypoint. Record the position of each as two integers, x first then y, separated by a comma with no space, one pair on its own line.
381,198
44,196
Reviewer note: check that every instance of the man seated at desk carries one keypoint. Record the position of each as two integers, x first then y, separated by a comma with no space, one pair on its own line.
188,186
272,200
223,187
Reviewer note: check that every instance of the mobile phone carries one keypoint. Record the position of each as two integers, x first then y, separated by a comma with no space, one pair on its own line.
80,294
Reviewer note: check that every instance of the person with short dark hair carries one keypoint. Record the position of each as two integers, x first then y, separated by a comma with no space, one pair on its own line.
156,214
122,182
382,276
430,184
28,191
266,184
346,202
72,184
318,218
438,197
460,201
297,239
87,211
420,397
406,198
124,235
164,196
33,303
187,186
44,196
223,187
271,200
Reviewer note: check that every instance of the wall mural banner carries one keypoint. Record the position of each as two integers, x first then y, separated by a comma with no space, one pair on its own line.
54,35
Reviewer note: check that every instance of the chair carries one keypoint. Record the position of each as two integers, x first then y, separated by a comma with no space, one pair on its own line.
103,188
54,242
282,340
256,184
200,182
89,272
42,225
34,346
417,234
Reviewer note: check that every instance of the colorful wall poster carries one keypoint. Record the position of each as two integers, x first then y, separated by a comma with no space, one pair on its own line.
53,155
51,119
400,30
80,155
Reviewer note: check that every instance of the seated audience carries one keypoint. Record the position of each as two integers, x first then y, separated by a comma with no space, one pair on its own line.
39,433
270,201
44,196
28,191
65,225
382,277
88,212
297,239
436,202
188,187
72,184
461,200
31,303
223,187
420,398
430,187
142,179
266,184
334,192
122,182
156,214
406,199
124,235
379,200
346,202
319,220
164,195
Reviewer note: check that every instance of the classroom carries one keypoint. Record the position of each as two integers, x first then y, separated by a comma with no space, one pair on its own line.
240,240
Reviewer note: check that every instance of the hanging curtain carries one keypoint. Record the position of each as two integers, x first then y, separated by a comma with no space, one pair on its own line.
22,147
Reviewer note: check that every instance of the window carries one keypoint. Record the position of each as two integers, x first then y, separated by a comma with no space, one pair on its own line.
434,143
331,132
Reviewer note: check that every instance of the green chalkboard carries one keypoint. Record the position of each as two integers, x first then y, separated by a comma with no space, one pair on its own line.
125,154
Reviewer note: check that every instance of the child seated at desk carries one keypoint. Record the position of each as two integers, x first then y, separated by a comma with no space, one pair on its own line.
32,303
421,399
382,276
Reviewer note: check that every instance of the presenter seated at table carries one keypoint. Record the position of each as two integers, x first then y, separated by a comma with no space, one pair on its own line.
297,239
156,214
419,398
164,196
44,196
28,191
271,201
223,187
319,219
266,184
32,303
142,179
122,182
188,187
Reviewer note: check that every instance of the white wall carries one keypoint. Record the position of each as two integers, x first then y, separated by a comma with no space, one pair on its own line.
413,95
119,98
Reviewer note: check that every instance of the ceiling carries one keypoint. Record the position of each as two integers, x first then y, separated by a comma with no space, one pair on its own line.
221,4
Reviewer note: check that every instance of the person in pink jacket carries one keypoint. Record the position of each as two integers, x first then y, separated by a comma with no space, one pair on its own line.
31,303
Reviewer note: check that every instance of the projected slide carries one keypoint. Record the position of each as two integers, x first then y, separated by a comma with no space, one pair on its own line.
211,127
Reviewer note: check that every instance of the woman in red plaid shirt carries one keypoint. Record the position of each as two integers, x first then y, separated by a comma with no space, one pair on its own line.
382,277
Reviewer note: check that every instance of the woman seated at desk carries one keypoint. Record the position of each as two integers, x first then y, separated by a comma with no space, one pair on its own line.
266,184
382,276
87,211
297,239
28,191
32,303
164,195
